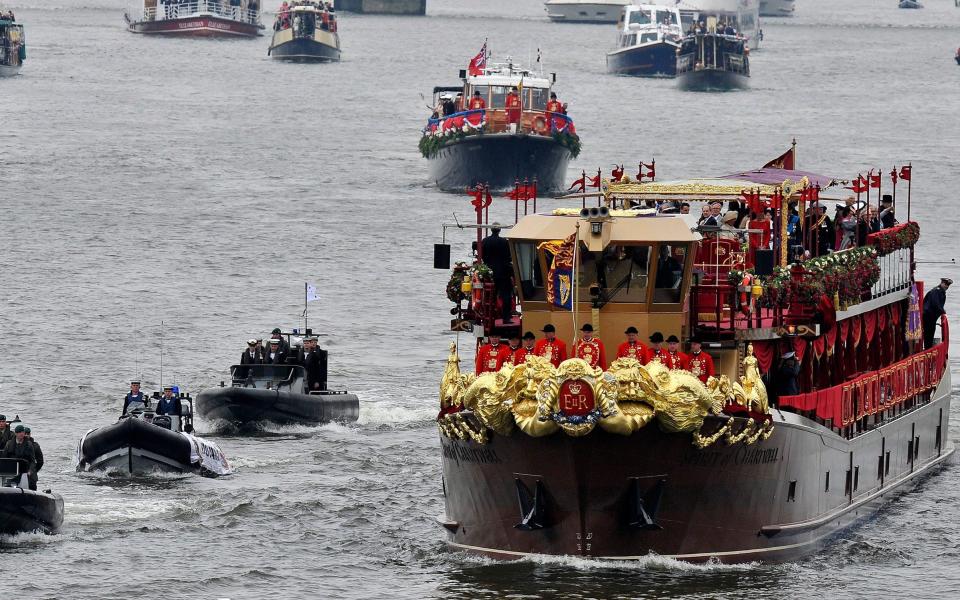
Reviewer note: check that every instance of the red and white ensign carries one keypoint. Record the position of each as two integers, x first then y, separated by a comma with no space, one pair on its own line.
576,397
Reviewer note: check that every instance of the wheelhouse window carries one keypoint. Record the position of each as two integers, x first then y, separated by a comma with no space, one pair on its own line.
619,273
648,37
537,99
484,91
531,276
628,40
498,98
640,17
667,18
671,262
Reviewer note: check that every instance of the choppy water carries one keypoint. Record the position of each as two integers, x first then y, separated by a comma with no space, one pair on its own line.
200,184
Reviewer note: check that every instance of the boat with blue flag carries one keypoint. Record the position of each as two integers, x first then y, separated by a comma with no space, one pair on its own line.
502,125
648,38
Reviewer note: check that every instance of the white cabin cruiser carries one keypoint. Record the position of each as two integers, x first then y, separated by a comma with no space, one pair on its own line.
648,38
585,11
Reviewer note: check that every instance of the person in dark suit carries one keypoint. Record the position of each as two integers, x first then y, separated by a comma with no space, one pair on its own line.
276,334
169,404
38,454
5,434
496,255
20,448
933,307
314,362
886,212
251,356
787,373
275,354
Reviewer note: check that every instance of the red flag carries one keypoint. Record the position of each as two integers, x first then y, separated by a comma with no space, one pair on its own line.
477,195
874,179
652,173
479,62
776,200
859,185
784,161
514,194
640,173
489,197
595,182
893,176
617,173
906,172
581,183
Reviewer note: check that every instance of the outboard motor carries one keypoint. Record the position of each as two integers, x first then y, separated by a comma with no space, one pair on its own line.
162,421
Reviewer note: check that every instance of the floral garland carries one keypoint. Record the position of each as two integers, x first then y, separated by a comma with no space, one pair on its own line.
461,271
848,275
431,142
571,141
895,238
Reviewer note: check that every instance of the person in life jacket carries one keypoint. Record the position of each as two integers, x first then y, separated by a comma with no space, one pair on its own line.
477,101
492,355
633,347
550,347
590,348
513,108
134,397
169,404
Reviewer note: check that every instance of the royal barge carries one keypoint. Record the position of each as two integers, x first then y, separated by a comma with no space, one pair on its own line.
822,405
305,32
196,18
502,125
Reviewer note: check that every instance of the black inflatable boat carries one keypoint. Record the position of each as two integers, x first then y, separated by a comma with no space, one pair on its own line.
142,442
23,510
276,393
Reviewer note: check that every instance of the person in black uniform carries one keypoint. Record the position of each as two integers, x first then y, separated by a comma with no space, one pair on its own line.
886,212
38,454
314,362
169,404
20,448
133,397
5,434
787,373
275,355
251,356
933,307
496,255
276,334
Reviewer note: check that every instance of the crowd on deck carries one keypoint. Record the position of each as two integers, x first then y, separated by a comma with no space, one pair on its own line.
723,27
278,351
247,10
299,25
17,442
7,16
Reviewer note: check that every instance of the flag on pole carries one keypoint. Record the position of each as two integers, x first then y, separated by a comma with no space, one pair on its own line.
312,292
784,161
479,62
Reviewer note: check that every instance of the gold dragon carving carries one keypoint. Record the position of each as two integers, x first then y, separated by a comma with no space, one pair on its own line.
627,397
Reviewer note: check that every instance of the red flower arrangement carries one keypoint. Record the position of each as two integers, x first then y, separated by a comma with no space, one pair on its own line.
895,238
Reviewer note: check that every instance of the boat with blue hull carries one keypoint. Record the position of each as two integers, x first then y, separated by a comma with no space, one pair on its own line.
306,33
648,39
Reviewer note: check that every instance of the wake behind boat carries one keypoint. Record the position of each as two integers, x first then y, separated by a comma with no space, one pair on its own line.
505,124
13,46
279,386
648,40
146,440
205,18
305,32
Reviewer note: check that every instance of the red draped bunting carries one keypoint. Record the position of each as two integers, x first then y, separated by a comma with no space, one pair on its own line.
844,330
764,351
819,345
831,339
870,325
895,314
856,330
882,315
800,347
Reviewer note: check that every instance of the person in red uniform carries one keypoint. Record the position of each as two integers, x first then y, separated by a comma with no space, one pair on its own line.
590,348
520,356
550,347
675,358
656,353
513,108
477,101
492,355
699,362
513,344
633,347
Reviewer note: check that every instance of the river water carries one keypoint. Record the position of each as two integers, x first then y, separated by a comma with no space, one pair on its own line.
200,184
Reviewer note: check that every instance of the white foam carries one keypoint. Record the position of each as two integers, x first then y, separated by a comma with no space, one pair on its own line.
650,562
28,539
382,413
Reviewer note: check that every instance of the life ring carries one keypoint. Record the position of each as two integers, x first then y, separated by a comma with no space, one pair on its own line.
540,125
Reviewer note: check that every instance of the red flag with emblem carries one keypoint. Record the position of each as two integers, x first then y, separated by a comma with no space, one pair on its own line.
651,170
784,161
479,62
906,172
874,179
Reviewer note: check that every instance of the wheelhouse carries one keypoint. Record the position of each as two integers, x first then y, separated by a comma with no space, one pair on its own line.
648,23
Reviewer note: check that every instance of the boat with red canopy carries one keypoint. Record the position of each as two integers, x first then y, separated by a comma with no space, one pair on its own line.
821,401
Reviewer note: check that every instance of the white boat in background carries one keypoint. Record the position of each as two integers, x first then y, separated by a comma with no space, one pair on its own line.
776,8
648,39
585,11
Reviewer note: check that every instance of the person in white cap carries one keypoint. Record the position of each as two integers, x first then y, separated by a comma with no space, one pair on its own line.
252,355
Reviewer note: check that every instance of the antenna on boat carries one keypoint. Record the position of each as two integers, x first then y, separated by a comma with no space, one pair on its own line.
161,354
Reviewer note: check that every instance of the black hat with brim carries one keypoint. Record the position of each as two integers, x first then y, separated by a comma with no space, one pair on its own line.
549,328
657,337
587,327
887,199
631,329
673,338
275,330
19,429
3,417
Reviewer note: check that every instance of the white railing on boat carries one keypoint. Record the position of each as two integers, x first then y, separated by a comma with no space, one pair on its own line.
894,273
196,8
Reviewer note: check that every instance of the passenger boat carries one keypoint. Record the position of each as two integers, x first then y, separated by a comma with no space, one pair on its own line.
23,510
742,15
142,442
776,8
648,39
466,147
910,4
13,46
204,18
713,61
306,32
634,458
277,393
585,11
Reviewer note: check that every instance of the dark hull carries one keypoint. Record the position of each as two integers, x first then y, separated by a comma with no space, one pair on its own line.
305,50
712,80
251,405
25,511
499,160
135,447
197,26
652,60
732,502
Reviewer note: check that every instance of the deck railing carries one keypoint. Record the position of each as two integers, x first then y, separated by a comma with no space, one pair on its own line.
894,273
182,10
497,120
